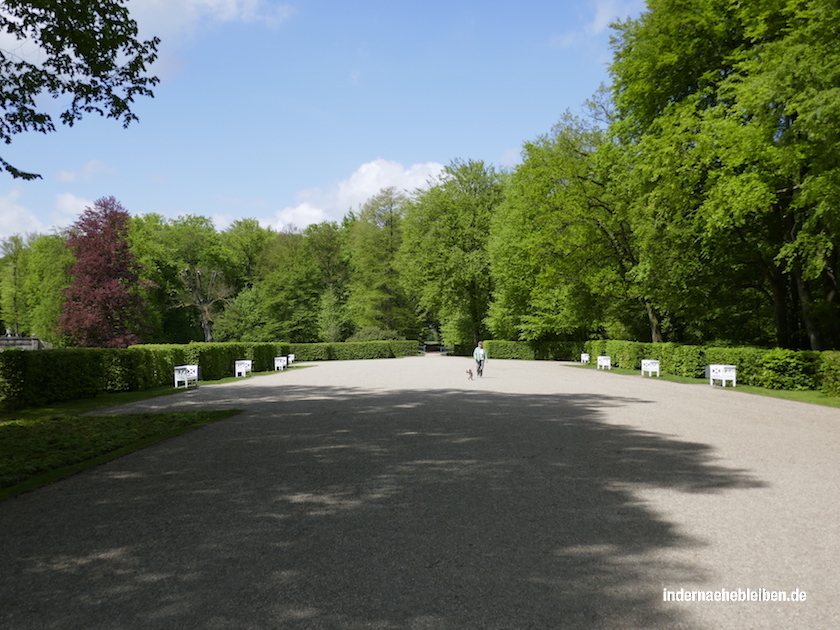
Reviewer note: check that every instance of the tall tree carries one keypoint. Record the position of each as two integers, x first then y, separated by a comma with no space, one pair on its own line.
734,125
104,305
47,275
377,297
12,273
563,251
244,246
443,256
88,51
202,269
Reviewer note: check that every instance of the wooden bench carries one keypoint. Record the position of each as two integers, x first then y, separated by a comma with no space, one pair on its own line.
722,373
650,366
604,362
243,367
584,357
185,374
280,363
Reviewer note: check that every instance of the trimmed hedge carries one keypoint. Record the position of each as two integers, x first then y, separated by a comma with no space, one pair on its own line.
775,368
33,378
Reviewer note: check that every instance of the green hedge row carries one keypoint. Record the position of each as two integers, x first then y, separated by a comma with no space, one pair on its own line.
32,378
774,368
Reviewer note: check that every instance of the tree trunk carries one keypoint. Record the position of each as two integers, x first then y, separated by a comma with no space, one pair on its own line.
806,305
655,327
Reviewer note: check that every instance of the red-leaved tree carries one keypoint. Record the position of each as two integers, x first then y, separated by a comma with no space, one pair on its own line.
103,306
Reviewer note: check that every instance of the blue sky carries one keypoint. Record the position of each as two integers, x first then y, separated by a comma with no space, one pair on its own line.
297,112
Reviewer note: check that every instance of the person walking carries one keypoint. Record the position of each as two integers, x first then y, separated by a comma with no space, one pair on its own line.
480,356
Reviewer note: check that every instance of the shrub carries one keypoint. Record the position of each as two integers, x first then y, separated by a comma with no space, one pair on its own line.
787,369
509,350
828,373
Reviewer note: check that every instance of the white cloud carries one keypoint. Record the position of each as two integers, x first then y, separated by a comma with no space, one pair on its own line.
16,218
332,204
167,18
68,208
178,22
603,13
89,172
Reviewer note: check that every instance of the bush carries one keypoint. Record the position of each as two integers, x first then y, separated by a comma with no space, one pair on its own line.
787,369
829,373
509,350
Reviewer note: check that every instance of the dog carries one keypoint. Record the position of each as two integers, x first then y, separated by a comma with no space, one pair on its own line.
469,375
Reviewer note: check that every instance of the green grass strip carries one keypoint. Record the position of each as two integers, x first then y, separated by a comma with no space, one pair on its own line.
806,396
37,451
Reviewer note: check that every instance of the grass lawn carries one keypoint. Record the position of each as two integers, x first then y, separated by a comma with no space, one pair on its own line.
38,446
43,444
809,396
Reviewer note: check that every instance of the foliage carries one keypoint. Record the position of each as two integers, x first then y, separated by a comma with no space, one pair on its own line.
372,333
443,257
562,249
88,51
508,350
737,153
829,373
12,273
377,297
104,304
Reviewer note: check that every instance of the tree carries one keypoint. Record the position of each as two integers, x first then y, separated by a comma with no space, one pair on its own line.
443,256
377,297
562,247
12,273
734,130
244,245
88,51
47,274
289,294
201,269
104,305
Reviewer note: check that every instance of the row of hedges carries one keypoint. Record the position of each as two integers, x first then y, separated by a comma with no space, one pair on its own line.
774,368
33,378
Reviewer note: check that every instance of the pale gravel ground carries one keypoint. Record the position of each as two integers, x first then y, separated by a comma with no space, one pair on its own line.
398,494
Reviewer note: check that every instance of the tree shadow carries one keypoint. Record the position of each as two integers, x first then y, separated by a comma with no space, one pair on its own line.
341,508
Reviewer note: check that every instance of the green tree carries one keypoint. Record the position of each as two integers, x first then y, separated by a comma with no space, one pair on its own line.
244,246
289,293
733,131
443,257
87,51
48,262
186,258
12,273
377,297
562,249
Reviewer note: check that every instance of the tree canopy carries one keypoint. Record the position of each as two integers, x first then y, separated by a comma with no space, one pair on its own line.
86,53
695,200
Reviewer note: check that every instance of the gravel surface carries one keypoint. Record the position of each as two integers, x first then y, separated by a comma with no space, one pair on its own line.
399,494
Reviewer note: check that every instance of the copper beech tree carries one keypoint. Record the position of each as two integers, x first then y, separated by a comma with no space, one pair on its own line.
104,304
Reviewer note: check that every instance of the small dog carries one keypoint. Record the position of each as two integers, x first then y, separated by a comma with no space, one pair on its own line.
469,375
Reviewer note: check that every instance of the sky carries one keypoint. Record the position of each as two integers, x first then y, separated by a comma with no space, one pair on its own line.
296,112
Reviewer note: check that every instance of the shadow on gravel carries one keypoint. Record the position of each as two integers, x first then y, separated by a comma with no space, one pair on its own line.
339,509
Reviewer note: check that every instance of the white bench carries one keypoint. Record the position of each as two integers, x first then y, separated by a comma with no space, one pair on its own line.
242,367
280,363
650,366
722,373
186,373
604,362
584,357
291,358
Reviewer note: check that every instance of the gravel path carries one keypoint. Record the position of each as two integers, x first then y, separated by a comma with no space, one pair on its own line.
398,494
